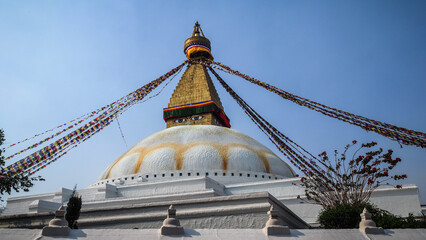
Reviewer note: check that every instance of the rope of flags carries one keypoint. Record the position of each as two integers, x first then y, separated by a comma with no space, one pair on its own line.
298,156
100,119
84,127
402,135
86,116
54,151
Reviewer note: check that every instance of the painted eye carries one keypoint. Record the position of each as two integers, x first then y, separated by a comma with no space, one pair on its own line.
180,120
197,118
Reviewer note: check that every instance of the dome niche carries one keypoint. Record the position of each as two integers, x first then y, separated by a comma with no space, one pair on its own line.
197,148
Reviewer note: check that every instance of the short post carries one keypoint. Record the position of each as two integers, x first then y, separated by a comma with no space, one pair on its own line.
367,225
274,225
58,226
171,225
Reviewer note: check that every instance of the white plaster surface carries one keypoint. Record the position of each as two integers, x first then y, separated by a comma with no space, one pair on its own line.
157,160
276,166
203,147
125,166
31,204
251,161
210,155
216,234
401,234
398,201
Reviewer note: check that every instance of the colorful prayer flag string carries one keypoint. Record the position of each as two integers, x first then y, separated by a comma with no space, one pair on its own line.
50,153
400,134
295,153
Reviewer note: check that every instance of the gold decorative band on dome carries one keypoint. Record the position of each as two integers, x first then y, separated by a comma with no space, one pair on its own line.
197,48
196,108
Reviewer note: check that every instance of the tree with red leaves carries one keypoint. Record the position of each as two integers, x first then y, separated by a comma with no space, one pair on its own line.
350,181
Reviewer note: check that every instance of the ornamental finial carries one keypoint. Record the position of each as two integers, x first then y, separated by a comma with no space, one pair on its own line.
197,45
197,30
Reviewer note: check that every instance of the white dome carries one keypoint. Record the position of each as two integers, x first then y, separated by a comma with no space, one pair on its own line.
195,148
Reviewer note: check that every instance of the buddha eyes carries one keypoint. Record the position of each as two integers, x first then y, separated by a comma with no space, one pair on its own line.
180,120
196,118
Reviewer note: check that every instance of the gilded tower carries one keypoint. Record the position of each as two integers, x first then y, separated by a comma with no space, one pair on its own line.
195,100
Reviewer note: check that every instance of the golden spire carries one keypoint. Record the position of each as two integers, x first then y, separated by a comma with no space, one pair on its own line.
195,100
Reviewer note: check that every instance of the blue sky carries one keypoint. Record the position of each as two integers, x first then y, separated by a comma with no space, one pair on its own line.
62,59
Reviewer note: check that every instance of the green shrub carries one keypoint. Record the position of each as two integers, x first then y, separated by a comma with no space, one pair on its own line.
73,210
411,222
342,216
348,216
385,219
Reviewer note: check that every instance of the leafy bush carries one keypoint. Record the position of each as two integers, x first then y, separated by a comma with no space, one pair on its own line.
411,222
341,216
73,209
348,216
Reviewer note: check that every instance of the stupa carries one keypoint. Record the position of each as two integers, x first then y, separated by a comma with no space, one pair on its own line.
198,138
216,177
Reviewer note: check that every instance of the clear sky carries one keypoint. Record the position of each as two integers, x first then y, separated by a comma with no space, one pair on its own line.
62,59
